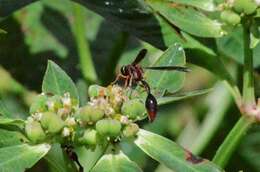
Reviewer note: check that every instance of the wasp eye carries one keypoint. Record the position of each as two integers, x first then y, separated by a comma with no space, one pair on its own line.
123,70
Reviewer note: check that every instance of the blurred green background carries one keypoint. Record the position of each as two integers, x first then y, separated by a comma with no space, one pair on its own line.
52,29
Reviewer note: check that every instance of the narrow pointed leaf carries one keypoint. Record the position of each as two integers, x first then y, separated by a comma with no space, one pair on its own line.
56,81
9,121
18,158
116,163
176,97
172,155
168,80
187,18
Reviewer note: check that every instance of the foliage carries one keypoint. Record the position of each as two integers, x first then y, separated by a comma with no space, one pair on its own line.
71,124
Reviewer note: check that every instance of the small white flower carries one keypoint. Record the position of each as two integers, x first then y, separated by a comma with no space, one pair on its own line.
65,132
37,116
70,121
29,119
124,120
50,104
66,100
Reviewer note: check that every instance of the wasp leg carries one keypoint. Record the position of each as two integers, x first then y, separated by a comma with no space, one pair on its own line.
130,81
127,81
117,78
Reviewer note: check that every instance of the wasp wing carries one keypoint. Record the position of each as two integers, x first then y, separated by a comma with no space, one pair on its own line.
177,68
140,56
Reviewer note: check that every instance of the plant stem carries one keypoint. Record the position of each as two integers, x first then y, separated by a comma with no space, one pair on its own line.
248,78
86,63
234,90
231,142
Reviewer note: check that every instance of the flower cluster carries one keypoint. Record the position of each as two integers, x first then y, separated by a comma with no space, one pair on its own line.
109,115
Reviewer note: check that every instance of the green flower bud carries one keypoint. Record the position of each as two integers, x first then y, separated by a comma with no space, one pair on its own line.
96,91
52,122
133,108
34,131
39,105
89,137
230,17
246,6
108,127
90,114
131,130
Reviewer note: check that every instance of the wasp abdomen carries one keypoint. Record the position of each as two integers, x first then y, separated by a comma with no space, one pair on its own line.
151,106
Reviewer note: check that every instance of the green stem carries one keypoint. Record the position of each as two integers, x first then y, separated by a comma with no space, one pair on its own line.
86,63
234,90
248,78
231,142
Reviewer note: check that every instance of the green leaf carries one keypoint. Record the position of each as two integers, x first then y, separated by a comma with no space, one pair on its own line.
172,155
171,81
3,110
199,54
18,158
58,161
47,19
117,163
187,18
56,81
232,47
8,121
9,138
88,158
207,5
138,19
179,96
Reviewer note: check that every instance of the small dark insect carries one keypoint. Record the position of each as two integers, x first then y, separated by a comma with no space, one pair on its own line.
72,155
133,74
